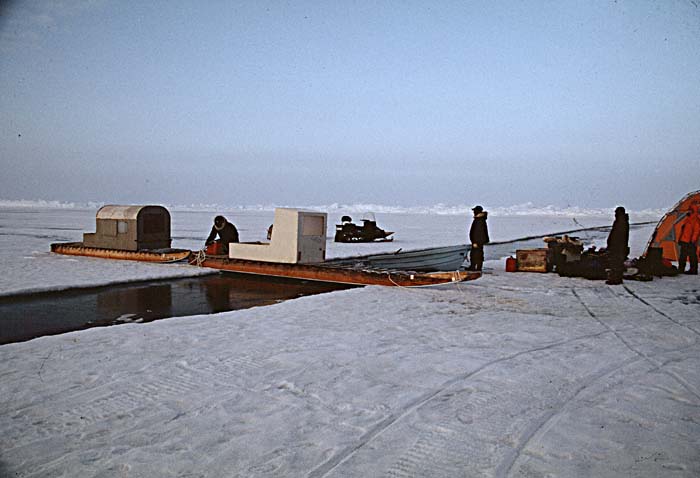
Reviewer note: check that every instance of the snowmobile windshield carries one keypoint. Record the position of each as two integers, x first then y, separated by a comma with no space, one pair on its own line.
368,216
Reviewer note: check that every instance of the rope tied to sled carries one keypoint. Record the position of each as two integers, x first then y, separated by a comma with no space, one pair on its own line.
200,257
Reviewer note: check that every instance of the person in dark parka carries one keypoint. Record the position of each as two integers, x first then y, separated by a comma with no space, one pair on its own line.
618,246
226,231
478,236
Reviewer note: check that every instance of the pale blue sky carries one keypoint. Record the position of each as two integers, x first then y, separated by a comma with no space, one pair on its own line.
398,103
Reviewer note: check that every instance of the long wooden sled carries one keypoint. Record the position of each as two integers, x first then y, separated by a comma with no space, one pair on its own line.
311,272
322,273
79,249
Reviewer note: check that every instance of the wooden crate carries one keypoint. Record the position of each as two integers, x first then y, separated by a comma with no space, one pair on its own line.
531,260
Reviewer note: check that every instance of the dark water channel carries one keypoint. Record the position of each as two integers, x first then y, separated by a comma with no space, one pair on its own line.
30,316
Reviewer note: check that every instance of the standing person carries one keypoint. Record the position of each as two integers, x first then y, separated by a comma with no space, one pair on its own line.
688,241
618,247
227,233
478,236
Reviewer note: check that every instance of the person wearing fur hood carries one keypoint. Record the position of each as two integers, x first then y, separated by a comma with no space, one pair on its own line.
226,231
478,236
618,246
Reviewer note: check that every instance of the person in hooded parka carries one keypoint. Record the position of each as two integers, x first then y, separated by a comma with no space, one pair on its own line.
226,231
618,246
478,236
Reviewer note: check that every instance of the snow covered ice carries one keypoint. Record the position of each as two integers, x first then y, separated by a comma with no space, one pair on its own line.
510,375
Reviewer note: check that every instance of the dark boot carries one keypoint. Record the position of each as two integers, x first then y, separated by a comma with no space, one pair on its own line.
693,259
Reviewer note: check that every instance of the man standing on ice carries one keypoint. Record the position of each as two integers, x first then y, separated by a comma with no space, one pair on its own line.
688,241
618,246
227,233
478,236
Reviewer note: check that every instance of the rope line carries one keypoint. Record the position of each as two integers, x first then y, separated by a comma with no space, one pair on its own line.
200,257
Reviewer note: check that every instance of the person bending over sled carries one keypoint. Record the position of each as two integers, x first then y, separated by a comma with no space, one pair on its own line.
226,231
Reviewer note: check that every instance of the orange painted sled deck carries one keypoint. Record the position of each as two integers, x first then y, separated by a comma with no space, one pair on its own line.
79,249
322,273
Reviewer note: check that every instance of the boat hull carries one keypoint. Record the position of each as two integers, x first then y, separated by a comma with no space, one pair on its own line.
323,273
447,258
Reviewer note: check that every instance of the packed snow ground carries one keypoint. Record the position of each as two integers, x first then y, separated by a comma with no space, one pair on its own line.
510,375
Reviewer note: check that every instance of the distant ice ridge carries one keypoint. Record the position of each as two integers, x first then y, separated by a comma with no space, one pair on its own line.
42,204
525,209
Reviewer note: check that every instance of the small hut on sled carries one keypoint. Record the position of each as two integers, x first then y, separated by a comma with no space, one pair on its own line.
130,228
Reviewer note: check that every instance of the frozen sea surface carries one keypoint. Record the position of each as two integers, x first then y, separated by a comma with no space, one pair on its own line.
509,375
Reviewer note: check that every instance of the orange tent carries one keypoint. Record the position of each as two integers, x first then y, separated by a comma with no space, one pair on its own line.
667,230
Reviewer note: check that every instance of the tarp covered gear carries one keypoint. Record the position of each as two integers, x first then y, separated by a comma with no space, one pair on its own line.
652,264
592,265
563,249
668,232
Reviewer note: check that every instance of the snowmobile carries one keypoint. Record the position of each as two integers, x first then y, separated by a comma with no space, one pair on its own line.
367,232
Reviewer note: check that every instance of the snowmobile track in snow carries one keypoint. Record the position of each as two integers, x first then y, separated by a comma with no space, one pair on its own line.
673,375
423,450
337,459
507,463
660,312
601,322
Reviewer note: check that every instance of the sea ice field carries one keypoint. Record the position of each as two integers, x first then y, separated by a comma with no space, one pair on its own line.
513,374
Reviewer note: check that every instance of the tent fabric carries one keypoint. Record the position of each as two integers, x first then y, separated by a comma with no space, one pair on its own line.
667,230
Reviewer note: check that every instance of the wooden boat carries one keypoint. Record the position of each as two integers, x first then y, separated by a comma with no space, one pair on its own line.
433,259
323,272
159,255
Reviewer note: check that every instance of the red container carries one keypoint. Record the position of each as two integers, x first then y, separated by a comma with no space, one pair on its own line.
511,265
215,249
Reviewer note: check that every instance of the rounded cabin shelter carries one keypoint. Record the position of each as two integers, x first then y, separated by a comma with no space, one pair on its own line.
130,228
